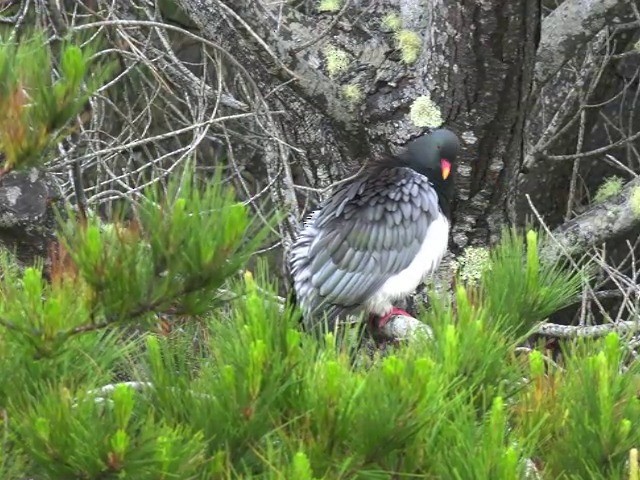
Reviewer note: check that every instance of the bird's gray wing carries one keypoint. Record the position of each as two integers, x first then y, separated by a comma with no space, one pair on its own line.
364,234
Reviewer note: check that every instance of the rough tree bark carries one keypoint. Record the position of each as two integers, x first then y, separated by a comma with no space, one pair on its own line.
568,28
476,63
573,70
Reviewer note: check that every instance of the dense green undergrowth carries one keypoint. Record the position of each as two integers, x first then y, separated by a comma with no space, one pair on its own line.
236,390
147,355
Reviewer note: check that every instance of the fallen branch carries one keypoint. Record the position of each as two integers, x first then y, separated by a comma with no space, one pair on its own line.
108,389
591,331
101,394
403,328
603,221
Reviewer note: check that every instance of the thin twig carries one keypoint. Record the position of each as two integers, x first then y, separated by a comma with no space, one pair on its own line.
575,170
597,151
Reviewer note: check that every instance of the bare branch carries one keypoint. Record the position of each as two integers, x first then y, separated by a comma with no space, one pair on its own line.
402,328
592,331
597,151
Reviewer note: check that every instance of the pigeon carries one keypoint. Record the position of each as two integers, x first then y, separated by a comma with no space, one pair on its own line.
378,236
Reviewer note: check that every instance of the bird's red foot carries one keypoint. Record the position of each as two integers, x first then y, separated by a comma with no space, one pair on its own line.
382,321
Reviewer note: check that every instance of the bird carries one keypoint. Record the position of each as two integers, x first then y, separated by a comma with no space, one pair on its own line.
377,236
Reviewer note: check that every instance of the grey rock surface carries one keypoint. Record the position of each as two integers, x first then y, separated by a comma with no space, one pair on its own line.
27,219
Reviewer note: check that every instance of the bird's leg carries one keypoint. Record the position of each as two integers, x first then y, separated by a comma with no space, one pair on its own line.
382,321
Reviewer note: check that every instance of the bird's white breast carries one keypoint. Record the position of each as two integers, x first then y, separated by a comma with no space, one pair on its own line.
426,262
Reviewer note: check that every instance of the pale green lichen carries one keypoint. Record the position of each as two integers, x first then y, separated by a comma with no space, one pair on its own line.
425,113
636,47
353,94
471,265
634,201
329,5
409,43
337,60
611,186
392,21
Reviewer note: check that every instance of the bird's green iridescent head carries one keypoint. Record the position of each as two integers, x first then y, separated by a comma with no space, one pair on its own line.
434,155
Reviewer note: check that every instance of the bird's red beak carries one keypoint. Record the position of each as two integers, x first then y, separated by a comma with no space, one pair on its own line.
445,166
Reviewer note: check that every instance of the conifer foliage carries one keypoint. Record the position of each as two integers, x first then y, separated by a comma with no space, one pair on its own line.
36,110
92,390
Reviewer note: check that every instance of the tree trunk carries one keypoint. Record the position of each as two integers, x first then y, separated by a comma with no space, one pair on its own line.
485,88
476,63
